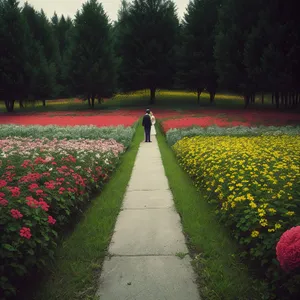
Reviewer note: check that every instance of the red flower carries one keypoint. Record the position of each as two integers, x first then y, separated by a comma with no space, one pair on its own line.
2,195
25,232
32,202
26,163
50,185
61,190
16,214
3,183
51,220
33,186
39,192
15,191
44,206
288,249
3,201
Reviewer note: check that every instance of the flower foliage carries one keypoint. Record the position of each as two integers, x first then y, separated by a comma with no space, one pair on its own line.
174,135
42,182
253,183
120,134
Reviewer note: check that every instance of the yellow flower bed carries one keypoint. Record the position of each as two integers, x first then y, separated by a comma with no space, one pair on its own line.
254,182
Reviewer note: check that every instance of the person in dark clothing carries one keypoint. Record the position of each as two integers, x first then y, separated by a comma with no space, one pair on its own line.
147,125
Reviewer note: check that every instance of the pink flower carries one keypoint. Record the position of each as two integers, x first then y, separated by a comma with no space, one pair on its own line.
25,232
3,201
51,220
288,249
16,214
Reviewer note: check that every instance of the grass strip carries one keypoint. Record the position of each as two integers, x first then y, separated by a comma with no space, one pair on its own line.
220,273
78,262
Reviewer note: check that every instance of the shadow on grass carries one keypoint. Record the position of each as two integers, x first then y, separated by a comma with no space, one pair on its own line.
215,255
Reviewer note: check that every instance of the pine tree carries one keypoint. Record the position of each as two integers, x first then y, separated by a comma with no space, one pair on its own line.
42,69
147,40
93,63
12,53
236,20
196,59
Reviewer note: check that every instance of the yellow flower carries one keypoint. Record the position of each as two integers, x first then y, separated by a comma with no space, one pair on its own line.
255,233
252,204
290,213
277,226
271,230
263,222
272,210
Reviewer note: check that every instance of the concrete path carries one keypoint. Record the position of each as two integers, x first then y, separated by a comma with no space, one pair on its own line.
142,262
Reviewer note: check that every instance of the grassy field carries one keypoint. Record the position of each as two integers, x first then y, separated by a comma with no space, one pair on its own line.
78,260
220,273
164,99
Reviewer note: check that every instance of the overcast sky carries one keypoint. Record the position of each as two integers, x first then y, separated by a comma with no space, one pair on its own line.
70,7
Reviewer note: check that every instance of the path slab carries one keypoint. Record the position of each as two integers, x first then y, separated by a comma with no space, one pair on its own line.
147,278
142,263
148,199
148,232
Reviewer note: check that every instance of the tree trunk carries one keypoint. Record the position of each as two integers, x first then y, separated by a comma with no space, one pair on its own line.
199,91
273,96
212,96
9,105
89,100
263,98
21,104
247,100
152,95
44,102
93,101
99,100
277,99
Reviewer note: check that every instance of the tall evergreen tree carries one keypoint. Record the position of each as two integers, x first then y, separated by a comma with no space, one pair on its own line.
42,66
63,30
12,53
147,40
236,19
93,63
196,59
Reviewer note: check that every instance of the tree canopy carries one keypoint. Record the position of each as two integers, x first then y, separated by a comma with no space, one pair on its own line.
245,47
147,33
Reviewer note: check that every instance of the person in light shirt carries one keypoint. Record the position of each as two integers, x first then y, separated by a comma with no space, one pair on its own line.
153,121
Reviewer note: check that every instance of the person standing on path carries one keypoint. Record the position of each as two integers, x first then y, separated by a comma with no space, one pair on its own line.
147,125
153,121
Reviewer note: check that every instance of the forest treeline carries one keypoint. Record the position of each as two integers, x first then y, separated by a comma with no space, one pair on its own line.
249,47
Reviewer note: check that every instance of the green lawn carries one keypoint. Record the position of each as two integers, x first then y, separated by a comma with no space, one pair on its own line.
78,260
221,275
164,99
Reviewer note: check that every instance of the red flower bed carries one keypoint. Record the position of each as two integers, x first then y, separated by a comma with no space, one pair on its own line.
202,122
100,121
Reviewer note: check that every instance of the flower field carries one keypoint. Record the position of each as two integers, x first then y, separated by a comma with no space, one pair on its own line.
228,118
253,182
43,182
